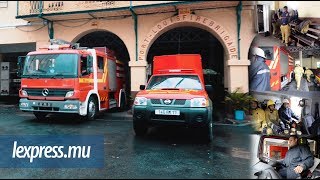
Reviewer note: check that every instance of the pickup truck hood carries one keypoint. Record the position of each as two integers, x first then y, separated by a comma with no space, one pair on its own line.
48,83
172,94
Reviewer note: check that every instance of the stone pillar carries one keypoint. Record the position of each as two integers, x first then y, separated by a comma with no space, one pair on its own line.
238,75
138,75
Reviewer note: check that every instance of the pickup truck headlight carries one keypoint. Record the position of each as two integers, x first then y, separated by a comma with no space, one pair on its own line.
199,102
141,101
70,94
24,93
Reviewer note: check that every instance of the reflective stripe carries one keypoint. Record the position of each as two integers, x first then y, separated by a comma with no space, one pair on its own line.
263,71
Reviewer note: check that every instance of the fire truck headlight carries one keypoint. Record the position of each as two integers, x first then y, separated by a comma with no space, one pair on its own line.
141,101
70,106
70,94
199,102
24,104
24,93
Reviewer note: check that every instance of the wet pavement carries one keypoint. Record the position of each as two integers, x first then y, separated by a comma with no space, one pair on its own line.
167,152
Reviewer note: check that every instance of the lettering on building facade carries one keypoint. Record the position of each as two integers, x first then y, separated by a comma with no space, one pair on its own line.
222,34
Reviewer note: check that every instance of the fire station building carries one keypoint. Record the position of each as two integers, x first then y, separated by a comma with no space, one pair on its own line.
221,31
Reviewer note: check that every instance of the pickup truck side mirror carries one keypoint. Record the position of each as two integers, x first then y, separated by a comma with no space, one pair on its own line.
209,88
20,65
142,87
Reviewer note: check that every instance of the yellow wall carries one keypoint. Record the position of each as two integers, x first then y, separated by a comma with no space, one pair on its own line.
7,15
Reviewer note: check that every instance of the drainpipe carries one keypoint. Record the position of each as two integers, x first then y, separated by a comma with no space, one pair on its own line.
50,23
239,10
134,16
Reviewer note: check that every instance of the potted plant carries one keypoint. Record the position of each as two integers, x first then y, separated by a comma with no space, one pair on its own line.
239,102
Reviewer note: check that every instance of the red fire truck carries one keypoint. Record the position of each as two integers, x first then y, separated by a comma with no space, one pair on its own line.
65,78
281,66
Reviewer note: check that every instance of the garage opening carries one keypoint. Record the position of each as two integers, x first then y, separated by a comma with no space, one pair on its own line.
192,40
112,42
9,80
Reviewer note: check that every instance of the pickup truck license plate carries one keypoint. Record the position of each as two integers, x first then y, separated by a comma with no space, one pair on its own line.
44,104
167,112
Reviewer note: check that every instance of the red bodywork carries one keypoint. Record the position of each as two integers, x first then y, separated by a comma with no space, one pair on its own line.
275,68
81,85
181,64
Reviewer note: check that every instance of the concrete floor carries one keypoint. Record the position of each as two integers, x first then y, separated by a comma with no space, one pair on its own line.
167,152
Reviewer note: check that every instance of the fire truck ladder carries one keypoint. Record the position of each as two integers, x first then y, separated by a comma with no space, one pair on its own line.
63,42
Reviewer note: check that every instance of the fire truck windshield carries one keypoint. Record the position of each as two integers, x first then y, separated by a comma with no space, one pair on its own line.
175,82
51,65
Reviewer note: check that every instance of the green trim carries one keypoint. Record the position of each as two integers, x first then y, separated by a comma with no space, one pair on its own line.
134,16
17,8
239,10
103,10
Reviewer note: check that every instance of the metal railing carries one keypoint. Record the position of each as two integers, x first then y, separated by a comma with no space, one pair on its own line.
25,8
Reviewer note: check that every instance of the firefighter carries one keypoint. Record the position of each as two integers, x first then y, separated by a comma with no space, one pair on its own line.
308,73
297,159
258,116
298,73
259,72
287,116
272,118
285,28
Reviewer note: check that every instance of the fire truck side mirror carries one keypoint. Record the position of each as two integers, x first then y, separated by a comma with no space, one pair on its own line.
20,65
142,87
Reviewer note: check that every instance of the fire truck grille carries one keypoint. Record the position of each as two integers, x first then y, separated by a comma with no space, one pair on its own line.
51,92
175,102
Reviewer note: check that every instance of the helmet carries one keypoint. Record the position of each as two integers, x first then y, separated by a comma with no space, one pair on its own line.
258,52
270,102
255,100
285,101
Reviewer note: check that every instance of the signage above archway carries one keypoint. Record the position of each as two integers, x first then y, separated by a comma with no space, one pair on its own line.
190,20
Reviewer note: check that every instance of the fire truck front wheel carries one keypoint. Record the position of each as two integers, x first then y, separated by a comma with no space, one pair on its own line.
92,109
40,115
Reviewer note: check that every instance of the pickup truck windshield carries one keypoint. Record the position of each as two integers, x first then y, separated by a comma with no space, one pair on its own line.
51,65
175,82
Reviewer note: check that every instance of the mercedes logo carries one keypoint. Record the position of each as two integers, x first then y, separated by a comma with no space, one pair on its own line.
167,101
45,92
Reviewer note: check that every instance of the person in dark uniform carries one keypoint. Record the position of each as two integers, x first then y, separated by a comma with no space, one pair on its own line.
298,159
285,28
259,72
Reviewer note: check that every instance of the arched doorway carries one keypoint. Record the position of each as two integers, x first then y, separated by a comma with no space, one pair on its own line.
194,40
110,40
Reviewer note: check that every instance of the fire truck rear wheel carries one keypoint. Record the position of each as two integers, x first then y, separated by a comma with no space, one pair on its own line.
92,109
40,115
140,128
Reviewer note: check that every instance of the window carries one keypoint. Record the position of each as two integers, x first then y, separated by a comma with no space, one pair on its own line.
84,67
3,4
100,64
318,64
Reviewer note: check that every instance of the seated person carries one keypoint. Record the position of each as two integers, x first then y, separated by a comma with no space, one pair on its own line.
272,118
298,159
259,118
287,116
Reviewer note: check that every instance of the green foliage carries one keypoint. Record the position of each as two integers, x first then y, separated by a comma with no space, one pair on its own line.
238,100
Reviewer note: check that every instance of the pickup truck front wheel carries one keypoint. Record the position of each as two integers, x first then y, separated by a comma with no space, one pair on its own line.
140,128
207,132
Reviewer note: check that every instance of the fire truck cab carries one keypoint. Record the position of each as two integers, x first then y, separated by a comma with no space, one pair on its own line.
65,78
175,94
